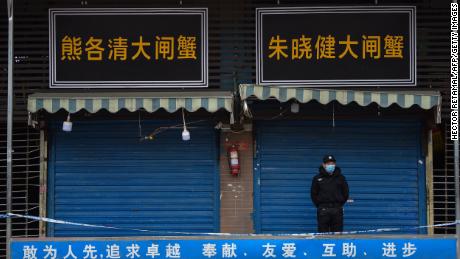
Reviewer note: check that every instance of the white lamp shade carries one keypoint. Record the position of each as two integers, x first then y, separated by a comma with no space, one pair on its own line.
67,126
185,135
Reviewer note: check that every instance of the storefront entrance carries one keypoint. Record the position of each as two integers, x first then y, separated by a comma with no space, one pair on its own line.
381,160
104,173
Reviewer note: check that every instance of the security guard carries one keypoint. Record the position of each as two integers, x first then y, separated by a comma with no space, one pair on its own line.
329,192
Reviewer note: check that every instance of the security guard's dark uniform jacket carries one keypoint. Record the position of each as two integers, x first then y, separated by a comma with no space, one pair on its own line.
329,192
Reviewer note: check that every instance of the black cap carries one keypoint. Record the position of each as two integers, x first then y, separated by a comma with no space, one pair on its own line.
328,158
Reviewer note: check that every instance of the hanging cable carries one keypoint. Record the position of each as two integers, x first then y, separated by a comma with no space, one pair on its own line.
139,124
246,110
282,112
333,114
185,132
159,130
183,117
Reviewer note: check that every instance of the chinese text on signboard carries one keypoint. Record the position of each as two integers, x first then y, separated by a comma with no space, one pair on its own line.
239,248
106,48
363,46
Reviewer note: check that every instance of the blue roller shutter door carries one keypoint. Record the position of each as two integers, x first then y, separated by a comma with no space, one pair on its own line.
101,173
381,161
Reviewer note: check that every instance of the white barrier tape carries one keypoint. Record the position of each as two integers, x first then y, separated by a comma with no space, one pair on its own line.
378,230
95,226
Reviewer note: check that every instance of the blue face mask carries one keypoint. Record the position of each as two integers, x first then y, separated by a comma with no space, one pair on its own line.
329,168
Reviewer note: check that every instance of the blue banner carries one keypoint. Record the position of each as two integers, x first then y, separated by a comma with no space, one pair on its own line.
236,248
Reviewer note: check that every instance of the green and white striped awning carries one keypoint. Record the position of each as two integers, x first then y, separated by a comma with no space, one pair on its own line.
114,102
405,99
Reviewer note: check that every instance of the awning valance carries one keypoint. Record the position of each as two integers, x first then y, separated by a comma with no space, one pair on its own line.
405,99
114,102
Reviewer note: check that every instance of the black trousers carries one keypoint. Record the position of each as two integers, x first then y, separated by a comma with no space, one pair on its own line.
330,219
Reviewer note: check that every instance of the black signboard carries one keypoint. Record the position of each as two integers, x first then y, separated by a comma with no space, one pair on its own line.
120,48
340,46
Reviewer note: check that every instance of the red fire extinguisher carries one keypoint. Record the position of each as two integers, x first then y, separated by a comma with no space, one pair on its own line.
233,159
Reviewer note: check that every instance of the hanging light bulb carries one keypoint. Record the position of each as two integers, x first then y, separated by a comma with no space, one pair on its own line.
185,132
185,135
295,107
67,125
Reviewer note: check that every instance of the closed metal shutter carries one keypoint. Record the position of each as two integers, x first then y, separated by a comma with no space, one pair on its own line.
380,160
101,173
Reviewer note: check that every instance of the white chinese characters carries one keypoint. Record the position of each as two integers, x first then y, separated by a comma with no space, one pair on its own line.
390,250
222,249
